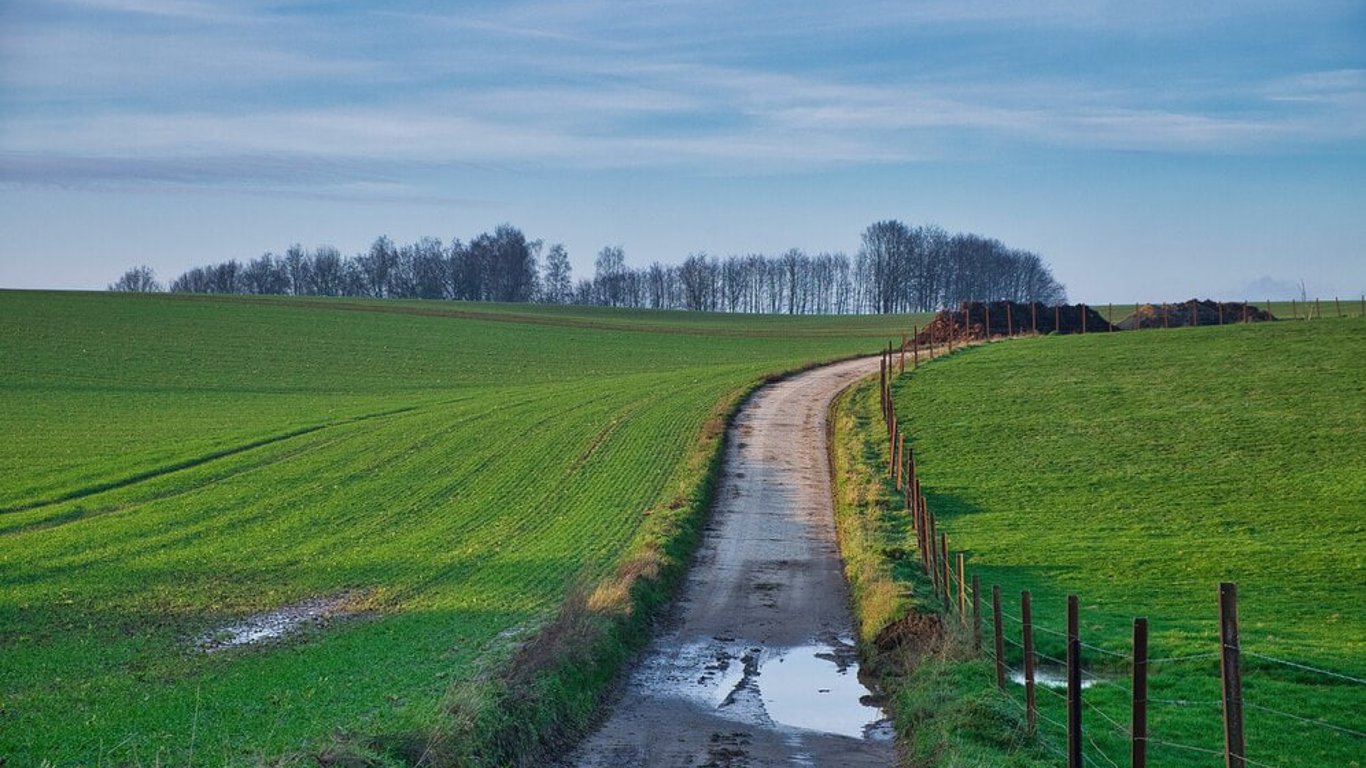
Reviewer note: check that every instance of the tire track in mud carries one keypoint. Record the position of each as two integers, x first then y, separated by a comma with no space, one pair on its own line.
755,665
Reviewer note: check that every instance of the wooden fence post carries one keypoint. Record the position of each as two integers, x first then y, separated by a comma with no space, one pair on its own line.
1033,317
1027,636
1244,311
1010,326
1195,314
900,452
903,353
962,589
976,615
1000,638
1057,318
1338,303
882,385
1074,759
1221,311
915,347
1234,753
1082,310
1318,308
948,570
1138,724
986,312
933,545
1110,315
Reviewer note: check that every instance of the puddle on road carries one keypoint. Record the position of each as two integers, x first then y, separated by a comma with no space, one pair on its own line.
816,687
810,687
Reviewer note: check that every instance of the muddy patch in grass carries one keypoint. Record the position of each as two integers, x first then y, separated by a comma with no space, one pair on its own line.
272,626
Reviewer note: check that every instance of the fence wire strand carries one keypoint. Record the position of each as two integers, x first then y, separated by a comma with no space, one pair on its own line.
1188,657
1305,667
1310,721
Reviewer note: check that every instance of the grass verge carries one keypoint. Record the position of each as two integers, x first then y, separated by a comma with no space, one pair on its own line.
947,711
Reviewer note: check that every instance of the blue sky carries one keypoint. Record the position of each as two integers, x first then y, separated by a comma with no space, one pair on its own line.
1147,150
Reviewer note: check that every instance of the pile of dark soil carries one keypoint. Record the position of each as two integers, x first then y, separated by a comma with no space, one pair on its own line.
1194,312
975,320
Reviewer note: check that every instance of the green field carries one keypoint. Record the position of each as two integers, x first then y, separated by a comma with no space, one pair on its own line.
171,464
1138,470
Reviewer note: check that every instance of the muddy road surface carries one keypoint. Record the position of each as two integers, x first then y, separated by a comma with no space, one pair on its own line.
755,665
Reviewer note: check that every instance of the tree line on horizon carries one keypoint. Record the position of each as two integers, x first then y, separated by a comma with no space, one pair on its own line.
898,268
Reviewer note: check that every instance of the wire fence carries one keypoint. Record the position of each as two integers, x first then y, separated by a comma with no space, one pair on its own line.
1097,745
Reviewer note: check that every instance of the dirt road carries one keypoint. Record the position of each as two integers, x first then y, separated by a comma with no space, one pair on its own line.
756,666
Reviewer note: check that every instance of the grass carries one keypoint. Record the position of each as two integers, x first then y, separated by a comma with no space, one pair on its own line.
460,473
947,710
1138,470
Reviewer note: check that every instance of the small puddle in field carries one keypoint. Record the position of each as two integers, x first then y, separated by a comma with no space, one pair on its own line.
1052,677
274,625
812,687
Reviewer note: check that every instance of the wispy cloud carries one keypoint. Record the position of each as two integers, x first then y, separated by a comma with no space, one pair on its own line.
264,95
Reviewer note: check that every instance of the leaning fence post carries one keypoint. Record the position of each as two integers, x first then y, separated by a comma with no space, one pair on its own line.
1027,635
1234,754
976,614
1138,725
1000,638
1073,685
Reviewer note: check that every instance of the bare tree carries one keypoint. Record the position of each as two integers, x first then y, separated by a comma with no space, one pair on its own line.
557,284
137,280
609,275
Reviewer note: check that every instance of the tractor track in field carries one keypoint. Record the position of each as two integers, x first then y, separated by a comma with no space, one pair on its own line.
755,664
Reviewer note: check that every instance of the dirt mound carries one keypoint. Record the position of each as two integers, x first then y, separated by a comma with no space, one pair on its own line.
981,320
921,631
1194,312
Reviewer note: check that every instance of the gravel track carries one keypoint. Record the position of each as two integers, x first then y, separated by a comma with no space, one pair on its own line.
755,664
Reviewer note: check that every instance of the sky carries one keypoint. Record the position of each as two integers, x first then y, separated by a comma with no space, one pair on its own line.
1148,151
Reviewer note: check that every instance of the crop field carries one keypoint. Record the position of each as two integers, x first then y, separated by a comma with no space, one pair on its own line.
1140,469
441,473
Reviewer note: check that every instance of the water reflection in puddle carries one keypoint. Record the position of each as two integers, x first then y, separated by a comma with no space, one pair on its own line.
816,687
810,687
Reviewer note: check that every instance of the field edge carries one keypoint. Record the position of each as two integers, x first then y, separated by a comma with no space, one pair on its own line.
946,711
535,703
